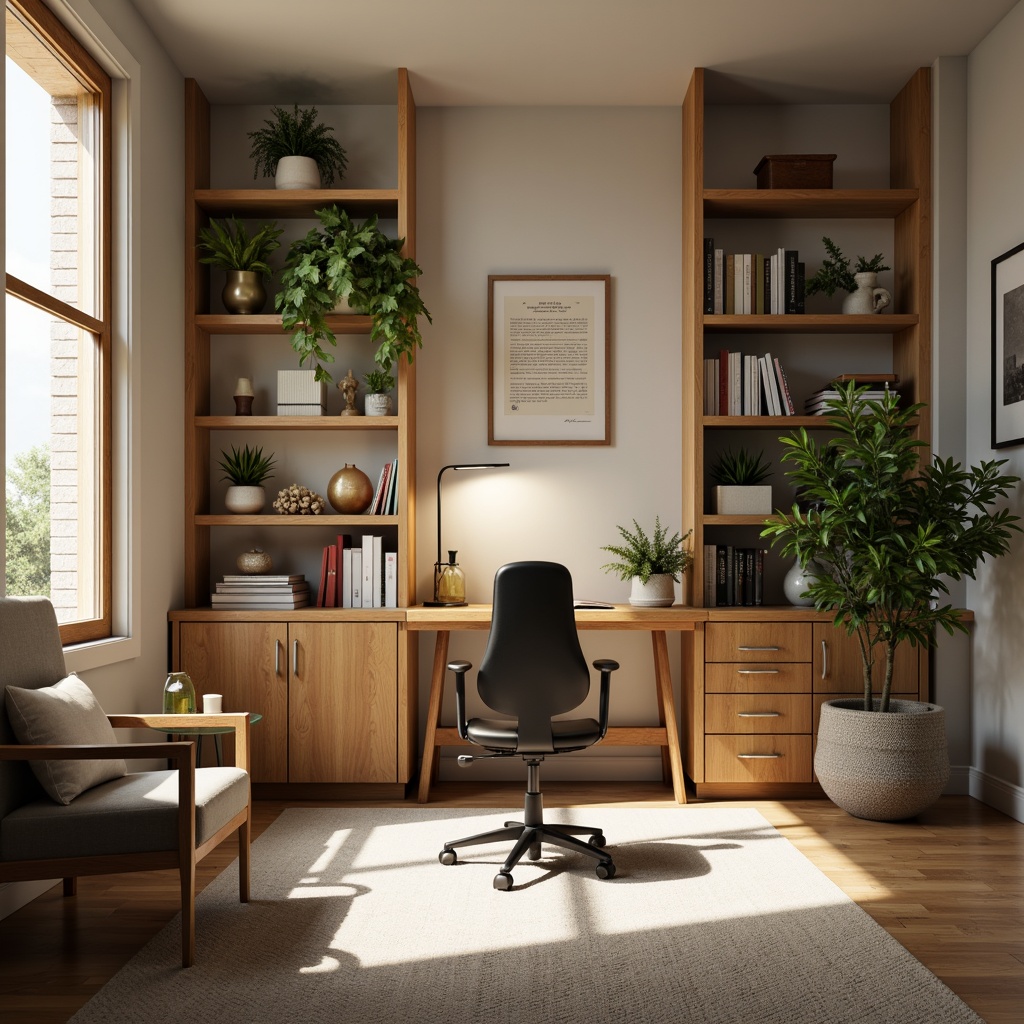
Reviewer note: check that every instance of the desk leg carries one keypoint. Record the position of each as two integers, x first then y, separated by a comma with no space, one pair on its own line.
429,763
667,713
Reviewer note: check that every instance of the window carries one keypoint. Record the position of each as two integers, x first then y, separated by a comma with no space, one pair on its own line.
58,329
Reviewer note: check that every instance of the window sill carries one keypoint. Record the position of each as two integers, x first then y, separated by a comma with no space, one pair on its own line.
99,653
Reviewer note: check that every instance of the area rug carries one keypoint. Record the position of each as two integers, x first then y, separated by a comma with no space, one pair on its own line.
713,916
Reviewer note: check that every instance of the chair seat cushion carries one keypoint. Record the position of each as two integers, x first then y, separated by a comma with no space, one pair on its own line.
136,813
500,734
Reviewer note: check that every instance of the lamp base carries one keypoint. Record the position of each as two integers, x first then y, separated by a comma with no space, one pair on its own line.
445,604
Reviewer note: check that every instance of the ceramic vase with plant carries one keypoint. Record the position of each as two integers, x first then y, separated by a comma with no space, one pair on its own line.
246,470
861,282
297,150
228,245
738,489
377,401
343,259
887,528
652,564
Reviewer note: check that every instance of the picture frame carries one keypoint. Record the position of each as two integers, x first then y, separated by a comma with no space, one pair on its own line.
548,359
1008,348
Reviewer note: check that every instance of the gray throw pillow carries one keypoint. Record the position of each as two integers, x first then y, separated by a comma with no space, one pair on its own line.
65,713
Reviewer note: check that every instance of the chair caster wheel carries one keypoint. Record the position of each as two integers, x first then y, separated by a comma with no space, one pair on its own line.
503,880
598,840
448,857
606,869
534,852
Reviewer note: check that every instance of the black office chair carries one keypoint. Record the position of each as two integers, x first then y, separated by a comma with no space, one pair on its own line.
532,670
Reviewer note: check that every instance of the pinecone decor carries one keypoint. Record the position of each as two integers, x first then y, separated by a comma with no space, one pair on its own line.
297,500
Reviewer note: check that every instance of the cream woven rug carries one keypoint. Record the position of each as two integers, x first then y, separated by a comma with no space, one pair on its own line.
713,916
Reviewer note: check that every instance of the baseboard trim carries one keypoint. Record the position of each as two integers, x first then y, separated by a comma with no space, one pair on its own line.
959,781
998,793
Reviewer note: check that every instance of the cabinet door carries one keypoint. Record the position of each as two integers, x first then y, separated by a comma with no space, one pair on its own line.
245,662
343,702
838,669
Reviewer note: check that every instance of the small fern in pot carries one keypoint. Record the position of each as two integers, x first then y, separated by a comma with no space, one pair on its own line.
652,563
297,134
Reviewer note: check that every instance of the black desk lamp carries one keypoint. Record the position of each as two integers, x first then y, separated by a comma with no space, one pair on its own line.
449,580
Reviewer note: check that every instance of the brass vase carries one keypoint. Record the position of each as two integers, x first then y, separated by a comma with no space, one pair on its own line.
244,292
350,491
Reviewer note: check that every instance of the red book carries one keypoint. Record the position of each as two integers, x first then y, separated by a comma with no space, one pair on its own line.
321,594
331,600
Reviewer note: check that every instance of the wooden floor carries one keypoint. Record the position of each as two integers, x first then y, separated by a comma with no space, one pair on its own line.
949,886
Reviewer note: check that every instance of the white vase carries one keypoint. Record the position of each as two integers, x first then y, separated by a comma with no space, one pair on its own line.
377,405
245,500
297,172
658,592
796,584
868,298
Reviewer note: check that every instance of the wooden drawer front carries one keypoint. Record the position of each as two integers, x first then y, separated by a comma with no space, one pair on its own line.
736,758
757,712
757,641
751,677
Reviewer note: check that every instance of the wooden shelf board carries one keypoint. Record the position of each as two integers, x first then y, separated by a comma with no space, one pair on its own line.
767,422
297,422
735,520
805,203
310,613
270,324
808,323
269,202
275,521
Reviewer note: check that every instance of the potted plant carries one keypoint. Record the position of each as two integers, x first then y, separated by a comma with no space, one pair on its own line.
861,282
297,151
228,245
343,259
738,474
377,401
246,470
653,564
887,529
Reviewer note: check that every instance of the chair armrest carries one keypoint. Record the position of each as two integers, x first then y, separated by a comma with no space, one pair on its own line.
238,721
179,751
606,667
460,668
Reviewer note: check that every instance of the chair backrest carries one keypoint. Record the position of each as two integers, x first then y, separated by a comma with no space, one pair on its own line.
31,656
533,667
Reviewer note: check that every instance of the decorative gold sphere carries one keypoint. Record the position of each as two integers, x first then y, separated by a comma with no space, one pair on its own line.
350,491
254,562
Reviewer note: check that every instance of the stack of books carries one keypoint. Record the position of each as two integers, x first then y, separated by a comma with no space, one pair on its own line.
736,384
385,498
879,384
755,283
733,576
358,574
270,593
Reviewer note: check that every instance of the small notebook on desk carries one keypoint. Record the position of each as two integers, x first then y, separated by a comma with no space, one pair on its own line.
579,603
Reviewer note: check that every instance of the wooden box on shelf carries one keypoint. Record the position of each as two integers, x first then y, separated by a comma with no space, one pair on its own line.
798,170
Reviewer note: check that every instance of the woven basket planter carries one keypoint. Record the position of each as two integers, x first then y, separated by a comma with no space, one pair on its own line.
882,766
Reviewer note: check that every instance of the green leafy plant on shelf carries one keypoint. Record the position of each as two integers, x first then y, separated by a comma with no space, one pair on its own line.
887,528
246,468
379,382
229,246
358,263
297,133
835,271
739,468
644,556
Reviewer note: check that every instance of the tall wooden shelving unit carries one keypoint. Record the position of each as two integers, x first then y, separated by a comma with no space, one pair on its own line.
305,712
767,751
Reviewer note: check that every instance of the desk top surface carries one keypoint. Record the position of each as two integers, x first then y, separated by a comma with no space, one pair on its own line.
621,616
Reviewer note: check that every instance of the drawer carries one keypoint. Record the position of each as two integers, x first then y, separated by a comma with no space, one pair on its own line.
757,713
757,641
757,758
760,677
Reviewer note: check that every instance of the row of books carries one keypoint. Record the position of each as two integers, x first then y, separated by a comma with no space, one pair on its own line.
358,574
745,282
385,497
736,384
270,593
733,576
878,384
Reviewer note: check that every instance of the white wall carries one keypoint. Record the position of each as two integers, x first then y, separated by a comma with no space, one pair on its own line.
551,191
995,224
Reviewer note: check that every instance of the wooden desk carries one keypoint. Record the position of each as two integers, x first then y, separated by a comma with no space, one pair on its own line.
656,621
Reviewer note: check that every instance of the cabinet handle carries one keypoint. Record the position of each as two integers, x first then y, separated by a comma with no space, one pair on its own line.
757,671
743,647
277,657
295,657
758,714
758,757
824,659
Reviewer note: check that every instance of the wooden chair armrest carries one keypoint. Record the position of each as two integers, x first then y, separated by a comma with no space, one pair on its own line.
236,720
179,752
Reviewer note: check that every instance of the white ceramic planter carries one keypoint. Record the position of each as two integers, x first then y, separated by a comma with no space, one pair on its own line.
731,500
868,298
658,592
245,500
297,172
377,405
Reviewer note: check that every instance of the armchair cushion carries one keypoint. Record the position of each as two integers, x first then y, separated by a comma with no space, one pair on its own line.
65,713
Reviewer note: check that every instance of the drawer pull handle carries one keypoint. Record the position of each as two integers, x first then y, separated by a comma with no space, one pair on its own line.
758,714
758,757
824,660
757,671
295,657
744,647
277,657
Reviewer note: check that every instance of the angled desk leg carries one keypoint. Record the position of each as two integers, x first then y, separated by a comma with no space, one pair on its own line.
672,759
428,767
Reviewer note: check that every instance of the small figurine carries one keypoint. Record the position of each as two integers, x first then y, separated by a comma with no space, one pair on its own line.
347,386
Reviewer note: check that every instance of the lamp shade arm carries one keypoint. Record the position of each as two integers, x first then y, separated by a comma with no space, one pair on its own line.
460,668
606,667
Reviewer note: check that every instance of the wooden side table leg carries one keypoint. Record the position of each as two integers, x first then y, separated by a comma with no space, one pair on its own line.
428,767
667,712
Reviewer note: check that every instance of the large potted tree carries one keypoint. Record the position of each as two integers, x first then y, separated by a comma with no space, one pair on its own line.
886,527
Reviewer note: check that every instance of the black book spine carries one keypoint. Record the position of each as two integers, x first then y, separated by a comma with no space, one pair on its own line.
709,275
800,283
790,279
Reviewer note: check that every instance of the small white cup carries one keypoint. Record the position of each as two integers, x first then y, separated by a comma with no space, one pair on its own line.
212,703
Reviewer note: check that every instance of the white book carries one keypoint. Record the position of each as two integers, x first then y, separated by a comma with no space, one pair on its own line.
747,283
390,579
735,384
737,275
779,299
768,380
377,573
357,578
345,598
367,585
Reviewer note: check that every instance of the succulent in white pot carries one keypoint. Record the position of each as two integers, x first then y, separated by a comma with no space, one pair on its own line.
739,491
377,401
246,470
